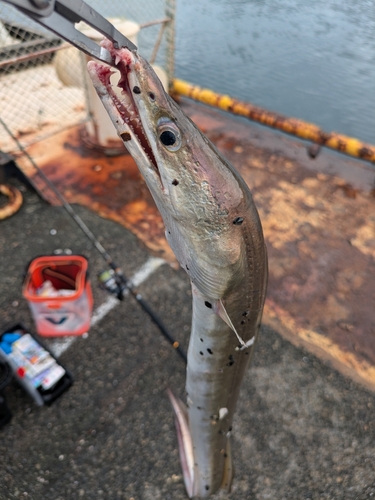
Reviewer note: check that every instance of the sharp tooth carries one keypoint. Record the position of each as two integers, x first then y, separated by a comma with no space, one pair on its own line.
126,100
118,59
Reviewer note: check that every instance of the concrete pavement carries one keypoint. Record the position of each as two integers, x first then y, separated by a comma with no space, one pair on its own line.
301,431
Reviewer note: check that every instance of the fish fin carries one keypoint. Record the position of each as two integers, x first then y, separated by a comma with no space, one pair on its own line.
211,281
228,469
185,443
221,311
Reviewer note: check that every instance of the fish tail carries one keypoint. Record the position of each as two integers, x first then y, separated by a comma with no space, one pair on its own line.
185,443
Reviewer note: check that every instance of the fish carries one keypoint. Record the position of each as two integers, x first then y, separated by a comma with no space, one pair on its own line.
214,229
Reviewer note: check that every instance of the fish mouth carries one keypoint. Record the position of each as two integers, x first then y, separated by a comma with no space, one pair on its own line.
125,105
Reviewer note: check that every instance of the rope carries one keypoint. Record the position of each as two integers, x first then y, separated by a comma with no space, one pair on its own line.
14,201
293,126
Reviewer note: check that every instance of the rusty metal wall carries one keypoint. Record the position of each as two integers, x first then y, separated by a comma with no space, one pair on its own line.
34,102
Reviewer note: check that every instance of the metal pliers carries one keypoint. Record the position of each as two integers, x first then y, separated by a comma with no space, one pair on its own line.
60,16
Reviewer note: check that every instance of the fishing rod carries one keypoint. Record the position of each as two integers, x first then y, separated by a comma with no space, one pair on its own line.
113,280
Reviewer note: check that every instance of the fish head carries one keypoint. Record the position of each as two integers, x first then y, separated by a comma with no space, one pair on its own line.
200,196
181,167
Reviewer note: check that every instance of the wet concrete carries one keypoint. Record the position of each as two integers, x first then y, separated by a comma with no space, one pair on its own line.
316,215
301,430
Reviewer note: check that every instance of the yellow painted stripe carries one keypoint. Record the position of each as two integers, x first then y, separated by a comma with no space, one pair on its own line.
293,126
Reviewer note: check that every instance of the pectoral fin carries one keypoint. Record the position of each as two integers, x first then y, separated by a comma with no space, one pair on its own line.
221,311
185,443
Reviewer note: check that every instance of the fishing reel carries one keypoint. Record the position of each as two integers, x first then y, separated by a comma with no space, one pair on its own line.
113,282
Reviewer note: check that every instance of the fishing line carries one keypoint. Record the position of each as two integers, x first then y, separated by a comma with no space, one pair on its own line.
124,283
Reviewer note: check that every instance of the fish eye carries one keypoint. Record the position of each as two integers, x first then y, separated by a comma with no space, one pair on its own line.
170,136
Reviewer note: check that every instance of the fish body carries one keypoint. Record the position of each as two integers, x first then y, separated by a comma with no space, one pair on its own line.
214,230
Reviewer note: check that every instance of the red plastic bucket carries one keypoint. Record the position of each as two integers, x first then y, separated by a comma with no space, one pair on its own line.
59,295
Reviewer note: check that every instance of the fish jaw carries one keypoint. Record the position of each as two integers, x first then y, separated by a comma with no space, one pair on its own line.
142,91
130,131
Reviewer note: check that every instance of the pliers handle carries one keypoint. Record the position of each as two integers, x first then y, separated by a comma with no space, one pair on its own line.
60,16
